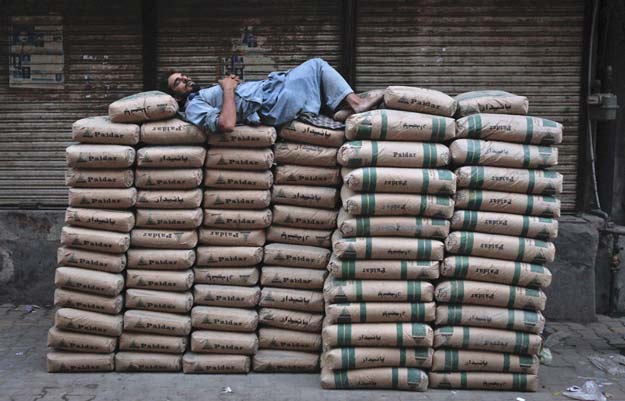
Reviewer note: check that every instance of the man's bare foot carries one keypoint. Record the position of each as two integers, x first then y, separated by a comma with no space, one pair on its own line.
365,101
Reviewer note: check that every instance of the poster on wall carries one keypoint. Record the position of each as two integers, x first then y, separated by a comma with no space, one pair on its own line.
36,52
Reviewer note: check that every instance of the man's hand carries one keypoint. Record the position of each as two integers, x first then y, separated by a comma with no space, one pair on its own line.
229,82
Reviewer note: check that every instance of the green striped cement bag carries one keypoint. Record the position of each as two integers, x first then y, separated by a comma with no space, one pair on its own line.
379,312
496,271
245,136
419,100
99,156
143,106
395,226
490,294
304,154
297,131
341,291
310,257
490,317
500,247
453,360
388,248
543,228
235,179
383,269
394,125
502,154
537,182
304,217
506,202
484,381
172,132
304,195
292,277
509,128
490,101
364,204
401,180
363,358
410,379
100,129
392,154
397,335
301,300
299,236
272,360
482,339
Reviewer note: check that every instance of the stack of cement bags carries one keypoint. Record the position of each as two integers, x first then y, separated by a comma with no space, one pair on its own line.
396,204
304,200
237,178
490,302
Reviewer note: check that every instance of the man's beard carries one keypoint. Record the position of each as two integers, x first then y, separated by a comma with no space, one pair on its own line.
195,87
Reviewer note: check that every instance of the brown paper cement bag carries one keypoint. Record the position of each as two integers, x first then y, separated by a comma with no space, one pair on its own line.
168,239
181,280
291,320
292,277
401,180
357,154
496,271
227,256
168,324
237,219
286,340
159,301
171,132
147,362
491,294
95,303
102,198
73,362
80,342
301,300
542,228
224,319
441,207
152,343
419,100
388,248
296,256
239,159
238,179
276,361
161,259
299,195
397,335
484,381
363,358
182,219
100,219
490,317
171,156
537,182
383,269
237,199
502,154
451,360
95,240
90,281
246,276
143,106
172,199
304,154
207,363
490,101
481,339
510,128
106,262
100,129
245,136
375,378
297,131
380,312
306,175
505,202
224,342
160,178
68,319
99,156
99,178
340,291
396,226
299,236
215,236
304,217
226,295
395,125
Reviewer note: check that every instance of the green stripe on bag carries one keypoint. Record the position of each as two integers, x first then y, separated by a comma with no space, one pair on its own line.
417,312
374,153
466,336
368,247
457,291
399,334
414,376
403,269
511,297
532,181
363,312
526,226
475,126
506,363
475,200
521,251
517,273
359,297
521,343
529,131
439,126
473,151
527,157
461,266
454,314
369,179
395,374
511,319
530,205
463,380
402,357
384,125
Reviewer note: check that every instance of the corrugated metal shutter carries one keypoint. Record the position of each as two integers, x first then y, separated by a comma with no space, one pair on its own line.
526,47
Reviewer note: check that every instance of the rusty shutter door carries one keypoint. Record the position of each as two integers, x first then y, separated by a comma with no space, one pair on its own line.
528,47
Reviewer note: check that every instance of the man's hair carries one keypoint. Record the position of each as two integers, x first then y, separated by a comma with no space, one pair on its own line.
164,83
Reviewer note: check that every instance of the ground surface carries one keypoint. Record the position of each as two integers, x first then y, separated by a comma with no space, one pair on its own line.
23,373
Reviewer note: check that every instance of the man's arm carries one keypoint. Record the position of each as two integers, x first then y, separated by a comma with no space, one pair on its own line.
228,117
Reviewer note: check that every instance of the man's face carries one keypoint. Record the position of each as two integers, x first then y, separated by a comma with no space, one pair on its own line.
181,85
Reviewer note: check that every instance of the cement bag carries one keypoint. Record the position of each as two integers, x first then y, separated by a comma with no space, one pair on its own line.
401,180
291,174
181,280
537,182
168,239
383,269
505,202
189,199
375,378
106,262
80,342
286,340
106,220
357,154
340,291
147,362
363,357
304,217
171,219
69,319
490,317
502,154
543,228
394,125
158,178
308,196
207,363
226,319
99,178
441,207
236,199
171,132
100,129
90,281
239,159
246,276
496,271
224,342
481,339
490,101
419,100
169,324
245,136
452,360
227,256
143,106
395,226
226,295
299,236
298,131
95,303
300,300
235,179
379,312
388,248
285,361
152,343
159,301
214,236
73,362
99,156
291,320
171,156
396,335
500,247
484,381
509,128
296,256
303,154
102,198
287,277
237,219
491,294
95,240
161,259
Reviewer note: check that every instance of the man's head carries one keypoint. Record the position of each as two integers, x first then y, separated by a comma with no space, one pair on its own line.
180,86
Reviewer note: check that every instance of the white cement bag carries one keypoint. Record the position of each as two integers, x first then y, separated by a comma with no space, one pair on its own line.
490,101
106,262
161,259
543,228
172,199
143,106
537,182
99,156
296,256
304,154
246,276
297,131
81,178
102,198
100,219
490,294
506,202
392,154
171,132
383,269
291,320
394,125
228,256
100,129
171,156
168,179
496,271
236,199
245,136
419,100
502,154
236,179
510,128
401,180
177,219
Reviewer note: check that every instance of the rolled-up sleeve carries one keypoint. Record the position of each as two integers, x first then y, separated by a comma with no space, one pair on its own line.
203,115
